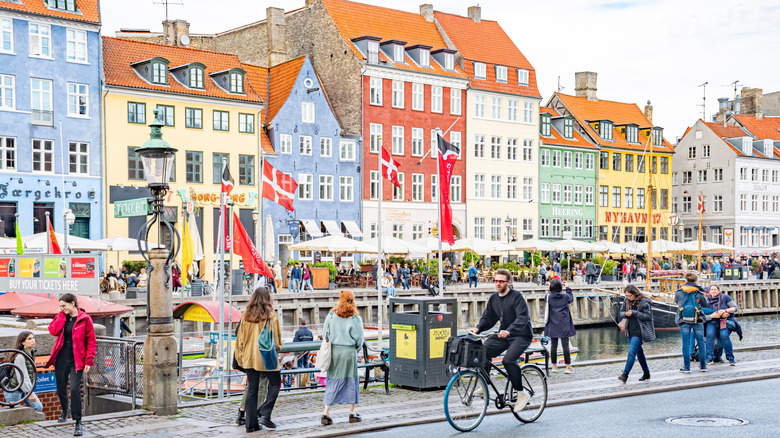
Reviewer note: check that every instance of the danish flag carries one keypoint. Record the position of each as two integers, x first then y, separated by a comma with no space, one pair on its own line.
278,187
700,207
390,168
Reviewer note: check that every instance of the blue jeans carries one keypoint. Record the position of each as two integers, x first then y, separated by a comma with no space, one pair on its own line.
473,280
17,395
390,291
714,331
294,283
717,275
635,351
406,283
307,283
687,344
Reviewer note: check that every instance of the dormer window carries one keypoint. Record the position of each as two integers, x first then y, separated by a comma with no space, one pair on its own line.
500,73
658,136
769,148
480,71
159,73
236,82
196,77
632,134
449,61
568,128
398,53
747,145
373,52
546,128
522,76
425,58
605,130
65,5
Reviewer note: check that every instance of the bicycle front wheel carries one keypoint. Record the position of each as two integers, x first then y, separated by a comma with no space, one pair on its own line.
535,384
466,400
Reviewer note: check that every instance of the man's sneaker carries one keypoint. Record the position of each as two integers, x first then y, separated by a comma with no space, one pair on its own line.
732,363
703,370
717,360
685,370
522,400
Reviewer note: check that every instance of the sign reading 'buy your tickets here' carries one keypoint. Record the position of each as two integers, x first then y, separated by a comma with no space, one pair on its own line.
52,273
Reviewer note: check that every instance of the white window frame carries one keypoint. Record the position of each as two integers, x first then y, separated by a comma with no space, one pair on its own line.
434,188
398,93
556,158
495,107
373,185
305,145
399,53
347,151
449,61
398,140
544,157
418,96
479,106
37,39
528,188
76,46
307,112
372,52
522,76
528,112
455,188
479,146
418,187
555,194
455,140
455,101
8,153
578,158
346,189
305,187
285,143
480,70
417,230
6,35
590,192
7,92
375,137
590,161
495,186
436,99
375,91
567,159
544,227
495,228
479,227
501,74
41,103
418,142
425,58
479,185
511,149
77,93
398,192
511,187
544,193
326,187
326,147
495,148
578,195
511,109
45,155
81,156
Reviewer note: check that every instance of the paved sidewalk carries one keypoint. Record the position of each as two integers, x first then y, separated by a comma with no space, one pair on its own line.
297,414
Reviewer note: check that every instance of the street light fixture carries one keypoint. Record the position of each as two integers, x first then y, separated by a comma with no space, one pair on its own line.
69,219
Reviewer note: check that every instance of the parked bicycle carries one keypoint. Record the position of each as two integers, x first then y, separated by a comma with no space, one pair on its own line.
467,396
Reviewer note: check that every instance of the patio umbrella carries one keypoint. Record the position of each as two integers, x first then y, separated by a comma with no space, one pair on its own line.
332,244
40,241
394,245
693,247
477,245
269,240
610,247
7,243
432,244
13,300
94,307
533,245
121,243
569,245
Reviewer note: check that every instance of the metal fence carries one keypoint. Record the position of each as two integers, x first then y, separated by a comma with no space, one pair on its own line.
118,367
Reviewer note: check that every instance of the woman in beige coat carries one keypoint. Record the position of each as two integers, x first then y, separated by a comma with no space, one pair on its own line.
259,313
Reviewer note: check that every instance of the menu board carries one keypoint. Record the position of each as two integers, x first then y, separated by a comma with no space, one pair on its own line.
50,273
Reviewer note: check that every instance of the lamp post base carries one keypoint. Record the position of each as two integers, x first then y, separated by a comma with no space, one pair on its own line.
160,374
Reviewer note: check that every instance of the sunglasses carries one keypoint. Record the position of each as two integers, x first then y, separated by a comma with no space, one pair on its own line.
500,281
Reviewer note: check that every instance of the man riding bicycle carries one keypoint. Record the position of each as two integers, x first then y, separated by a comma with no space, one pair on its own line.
515,334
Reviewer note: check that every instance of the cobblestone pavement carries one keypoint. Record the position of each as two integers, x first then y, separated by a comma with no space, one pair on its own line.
297,414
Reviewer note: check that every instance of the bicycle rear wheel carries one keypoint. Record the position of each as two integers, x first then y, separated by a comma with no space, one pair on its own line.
466,400
535,384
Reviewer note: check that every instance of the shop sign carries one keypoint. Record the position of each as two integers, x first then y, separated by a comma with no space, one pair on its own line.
630,218
562,211
37,194
728,237
131,207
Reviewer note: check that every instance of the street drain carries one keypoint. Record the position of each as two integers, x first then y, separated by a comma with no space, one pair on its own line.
706,421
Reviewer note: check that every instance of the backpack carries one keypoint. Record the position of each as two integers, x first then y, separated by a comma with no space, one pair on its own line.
267,347
690,310
464,351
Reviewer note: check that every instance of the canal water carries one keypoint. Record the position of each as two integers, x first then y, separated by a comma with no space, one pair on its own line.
607,342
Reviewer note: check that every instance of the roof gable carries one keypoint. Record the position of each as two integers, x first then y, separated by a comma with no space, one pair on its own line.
556,137
86,10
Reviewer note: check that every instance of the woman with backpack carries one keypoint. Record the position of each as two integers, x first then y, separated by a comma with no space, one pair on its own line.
344,330
23,380
692,311
258,344
558,325
639,329
717,327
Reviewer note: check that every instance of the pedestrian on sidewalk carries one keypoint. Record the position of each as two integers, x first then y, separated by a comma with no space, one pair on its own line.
558,324
692,311
306,275
23,380
639,329
303,334
473,275
344,330
717,327
590,272
405,274
259,315
73,355
278,275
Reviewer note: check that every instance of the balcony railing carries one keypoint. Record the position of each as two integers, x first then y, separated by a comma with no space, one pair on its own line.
42,117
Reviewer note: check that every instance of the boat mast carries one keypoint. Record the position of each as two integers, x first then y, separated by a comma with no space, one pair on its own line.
648,200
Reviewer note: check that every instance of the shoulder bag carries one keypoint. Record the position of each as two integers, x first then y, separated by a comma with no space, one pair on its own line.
324,355
267,346
623,322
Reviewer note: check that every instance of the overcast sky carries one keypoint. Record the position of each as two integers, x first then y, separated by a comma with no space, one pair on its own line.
657,50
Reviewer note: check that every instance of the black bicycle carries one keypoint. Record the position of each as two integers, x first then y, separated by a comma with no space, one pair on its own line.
467,396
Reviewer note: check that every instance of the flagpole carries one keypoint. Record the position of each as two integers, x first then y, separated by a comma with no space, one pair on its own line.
438,207
48,234
260,239
379,271
221,279
229,334
701,210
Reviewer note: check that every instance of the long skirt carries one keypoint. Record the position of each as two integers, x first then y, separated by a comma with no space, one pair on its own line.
342,385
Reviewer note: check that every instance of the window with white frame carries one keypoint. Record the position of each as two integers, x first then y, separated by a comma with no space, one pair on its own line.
589,192
495,228
675,179
686,204
578,194
479,227
449,61
556,193
567,191
418,96
425,58
455,195
479,185
578,160
590,161
455,140
7,92
568,127
495,148
77,45
307,112
511,110
764,203
398,93
40,40
375,91
304,145
418,187
544,192
556,227
674,204
398,53
417,142
495,186
774,176
196,77
528,112
567,156
436,99
346,188
775,203
629,197
705,151
522,76
479,146
544,157
376,137
511,187
765,175
285,143
743,174
434,188
326,187
501,73
640,197
616,197
511,149
528,228
495,108
577,228
372,50
435,133
305,186
398,140
43,156
347,151
479,105
372,229
6,35
603,196
398,191
528,188
480,72
78,100
236,83
556,158
373,184
455,101
41,94
326,147
702,176
7,153
744,237
687,177
544,228
78,158
417,230
754,174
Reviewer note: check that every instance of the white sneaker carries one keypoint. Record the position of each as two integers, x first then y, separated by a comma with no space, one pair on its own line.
522,401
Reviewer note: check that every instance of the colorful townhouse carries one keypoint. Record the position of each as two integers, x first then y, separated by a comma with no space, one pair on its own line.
502,127
393,82
309,145
210,106
626,138
51,156
567,184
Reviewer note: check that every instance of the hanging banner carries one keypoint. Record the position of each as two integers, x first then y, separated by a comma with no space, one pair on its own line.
50,273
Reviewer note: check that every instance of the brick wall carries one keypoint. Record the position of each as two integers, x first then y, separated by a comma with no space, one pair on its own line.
51,404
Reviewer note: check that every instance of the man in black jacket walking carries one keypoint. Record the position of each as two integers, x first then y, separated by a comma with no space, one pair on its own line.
515,334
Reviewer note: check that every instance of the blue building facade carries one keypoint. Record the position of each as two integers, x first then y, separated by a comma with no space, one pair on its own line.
309,145
51,156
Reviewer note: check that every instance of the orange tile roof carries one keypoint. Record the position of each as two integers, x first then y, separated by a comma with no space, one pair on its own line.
619,113
257,78
283,77
767,127
119,54
487,42
354,20
725,132
86,10
558,139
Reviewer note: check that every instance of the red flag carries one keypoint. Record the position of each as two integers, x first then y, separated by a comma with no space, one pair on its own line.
390,168
243,246
700,207
54,246
278,187
227,180
447,156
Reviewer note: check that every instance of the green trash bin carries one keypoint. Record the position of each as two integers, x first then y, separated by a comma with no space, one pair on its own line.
419,328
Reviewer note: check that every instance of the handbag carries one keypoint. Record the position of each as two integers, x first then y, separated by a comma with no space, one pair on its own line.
547,310
623,323
267,346
324,355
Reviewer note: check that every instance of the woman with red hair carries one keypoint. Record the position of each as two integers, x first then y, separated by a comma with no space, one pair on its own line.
344,330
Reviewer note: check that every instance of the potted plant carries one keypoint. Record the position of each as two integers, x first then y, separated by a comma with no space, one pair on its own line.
332,271
606,274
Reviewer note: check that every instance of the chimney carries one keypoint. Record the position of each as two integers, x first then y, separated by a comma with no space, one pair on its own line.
310,2
176,33
426,11
723,106
475,13
276,32
585,84
752,101
649,111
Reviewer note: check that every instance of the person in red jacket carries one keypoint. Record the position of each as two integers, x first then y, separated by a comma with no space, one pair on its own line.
73,354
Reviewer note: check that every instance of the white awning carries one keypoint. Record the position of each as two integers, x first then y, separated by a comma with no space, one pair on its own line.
352,228
311,227
333,228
